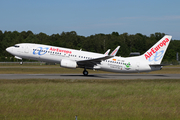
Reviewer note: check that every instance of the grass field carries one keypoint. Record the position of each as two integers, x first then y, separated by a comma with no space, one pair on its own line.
35,99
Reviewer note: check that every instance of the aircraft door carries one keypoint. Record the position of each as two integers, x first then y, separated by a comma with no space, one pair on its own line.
137,66
26,50
65,55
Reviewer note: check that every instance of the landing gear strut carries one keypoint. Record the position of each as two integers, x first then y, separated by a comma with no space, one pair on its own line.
85,72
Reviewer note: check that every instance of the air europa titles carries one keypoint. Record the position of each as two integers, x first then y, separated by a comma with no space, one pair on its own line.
155,49
59,50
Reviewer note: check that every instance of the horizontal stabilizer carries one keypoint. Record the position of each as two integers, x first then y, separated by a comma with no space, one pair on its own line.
157,65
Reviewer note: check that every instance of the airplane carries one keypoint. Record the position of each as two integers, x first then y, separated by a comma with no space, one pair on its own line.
71,58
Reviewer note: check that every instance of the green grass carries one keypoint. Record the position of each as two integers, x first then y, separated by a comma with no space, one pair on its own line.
34,99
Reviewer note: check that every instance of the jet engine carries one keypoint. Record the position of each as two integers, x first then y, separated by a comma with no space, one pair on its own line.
68,63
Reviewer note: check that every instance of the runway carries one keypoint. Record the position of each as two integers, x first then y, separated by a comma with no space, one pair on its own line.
94,76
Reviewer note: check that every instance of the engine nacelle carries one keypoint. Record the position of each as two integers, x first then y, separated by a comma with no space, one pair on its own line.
68,63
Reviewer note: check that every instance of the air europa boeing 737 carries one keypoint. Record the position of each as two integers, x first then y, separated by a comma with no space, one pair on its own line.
70,58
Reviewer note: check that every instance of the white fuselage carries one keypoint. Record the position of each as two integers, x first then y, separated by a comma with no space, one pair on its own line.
54,54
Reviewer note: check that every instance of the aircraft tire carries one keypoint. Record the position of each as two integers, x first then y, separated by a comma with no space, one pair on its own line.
21,62
85,72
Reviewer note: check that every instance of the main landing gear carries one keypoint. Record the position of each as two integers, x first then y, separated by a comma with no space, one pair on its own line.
85,72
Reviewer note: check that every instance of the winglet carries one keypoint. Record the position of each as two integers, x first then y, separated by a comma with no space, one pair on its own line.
115,51
107,52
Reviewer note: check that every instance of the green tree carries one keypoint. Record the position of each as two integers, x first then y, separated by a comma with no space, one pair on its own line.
95,43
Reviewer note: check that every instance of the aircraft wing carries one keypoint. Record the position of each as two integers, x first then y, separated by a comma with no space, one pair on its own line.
92,62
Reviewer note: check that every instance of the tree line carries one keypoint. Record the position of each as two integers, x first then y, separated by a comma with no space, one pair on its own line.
95,43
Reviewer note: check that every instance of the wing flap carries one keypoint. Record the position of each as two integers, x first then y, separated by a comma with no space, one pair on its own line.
92,62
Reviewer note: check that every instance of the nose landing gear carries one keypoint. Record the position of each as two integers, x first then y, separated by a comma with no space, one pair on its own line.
21,62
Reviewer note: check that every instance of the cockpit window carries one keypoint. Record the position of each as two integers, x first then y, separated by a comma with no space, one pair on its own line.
16,46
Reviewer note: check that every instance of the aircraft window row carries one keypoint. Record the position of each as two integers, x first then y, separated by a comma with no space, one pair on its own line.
80,56
57,53
72,55
64,54
52,52
117,62
85,57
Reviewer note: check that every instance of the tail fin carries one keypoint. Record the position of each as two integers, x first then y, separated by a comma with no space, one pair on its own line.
115,51
156,53
107,52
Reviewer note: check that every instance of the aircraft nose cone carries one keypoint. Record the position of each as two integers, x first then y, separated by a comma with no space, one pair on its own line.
9,49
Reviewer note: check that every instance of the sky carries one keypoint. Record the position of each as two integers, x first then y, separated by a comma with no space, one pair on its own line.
90,17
